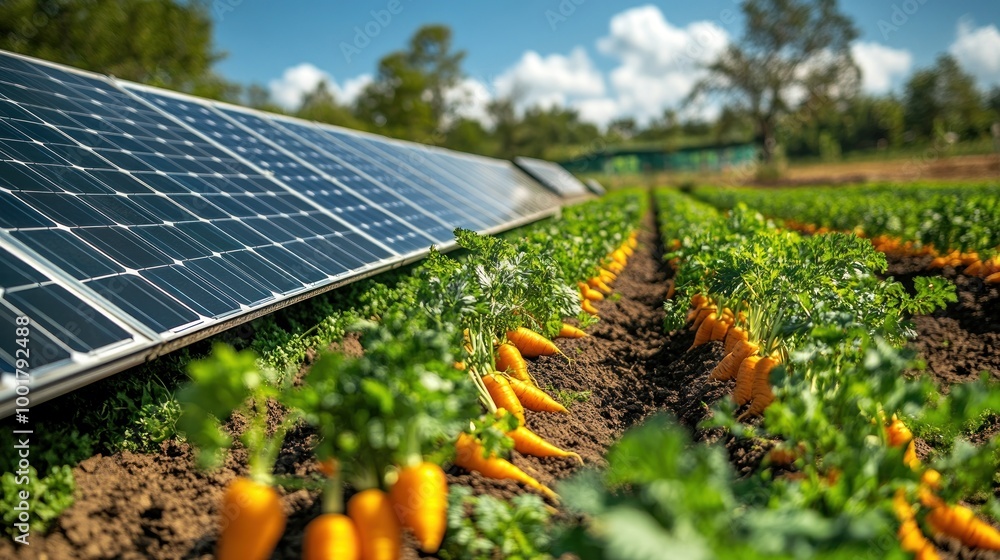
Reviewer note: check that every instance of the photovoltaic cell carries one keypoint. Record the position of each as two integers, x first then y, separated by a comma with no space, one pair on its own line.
125,200
364,205
553,176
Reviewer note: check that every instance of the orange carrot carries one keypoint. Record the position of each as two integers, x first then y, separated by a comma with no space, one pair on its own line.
993,278
588,307
733,337
469,456
704,331
531,344
761,396
569,331
527,442
331,535
420,499
744,380
607,276
912,540
588,293
378,529
509,360
670,289
615,267
253,520
898,435
503,395
961,523
720,329
698,299
597,284
619,257
535,399
728,368
702,313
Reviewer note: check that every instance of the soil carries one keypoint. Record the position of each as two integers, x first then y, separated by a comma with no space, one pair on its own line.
160,506
961,341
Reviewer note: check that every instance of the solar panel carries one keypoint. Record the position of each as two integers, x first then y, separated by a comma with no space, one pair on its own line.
128,226
359,202
553,176
595,187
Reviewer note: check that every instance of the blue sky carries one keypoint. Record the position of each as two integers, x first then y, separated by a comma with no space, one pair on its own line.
591,54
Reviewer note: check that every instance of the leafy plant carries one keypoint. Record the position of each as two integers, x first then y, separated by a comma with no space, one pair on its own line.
484,527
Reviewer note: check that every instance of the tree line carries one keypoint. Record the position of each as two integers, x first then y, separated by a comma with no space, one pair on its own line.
789,84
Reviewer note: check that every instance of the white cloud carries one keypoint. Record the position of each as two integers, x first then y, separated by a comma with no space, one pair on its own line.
978,51
296,81
657,64
551,80
470,98
881,67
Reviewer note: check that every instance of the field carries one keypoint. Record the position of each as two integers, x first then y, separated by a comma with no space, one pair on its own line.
871,404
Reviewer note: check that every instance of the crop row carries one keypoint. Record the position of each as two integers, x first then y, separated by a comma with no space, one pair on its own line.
958,225
844,476
442,379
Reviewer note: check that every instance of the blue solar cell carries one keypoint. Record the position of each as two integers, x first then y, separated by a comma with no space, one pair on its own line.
69,253
74,322
140,299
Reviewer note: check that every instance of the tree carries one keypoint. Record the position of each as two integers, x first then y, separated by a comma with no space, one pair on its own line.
944,98
790,48
408,98
320,105
165,43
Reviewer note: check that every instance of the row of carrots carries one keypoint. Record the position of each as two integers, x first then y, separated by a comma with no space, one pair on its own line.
743,360
955,521
372,528
971,264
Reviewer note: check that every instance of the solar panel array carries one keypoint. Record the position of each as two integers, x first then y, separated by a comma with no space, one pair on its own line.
553,176
595,187
132,217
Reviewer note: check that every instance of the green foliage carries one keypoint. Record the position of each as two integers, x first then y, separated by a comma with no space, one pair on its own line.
484,527
400,401
224,383
159,42
48,497
945,216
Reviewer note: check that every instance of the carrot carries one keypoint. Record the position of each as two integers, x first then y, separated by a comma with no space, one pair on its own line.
509,360
728,368
420,498
503,395
597,284
587,292
588,307
569,331
974,269
720,329
535,399
252,523
898,435
619,257
961,523
698,299
331,535
744,380
670,289
527,442
704,331
702,313
761,394
531,344
733,337
469,456
378,529
607,276
615,267
693,313
459,366
912,540
993,278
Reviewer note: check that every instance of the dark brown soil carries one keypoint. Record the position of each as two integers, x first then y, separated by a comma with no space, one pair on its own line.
963,340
